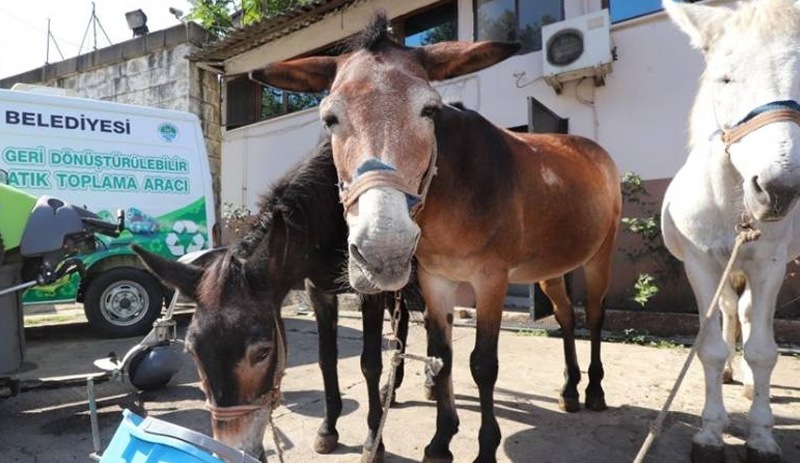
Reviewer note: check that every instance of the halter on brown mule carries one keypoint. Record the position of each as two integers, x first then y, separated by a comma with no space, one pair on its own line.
502,206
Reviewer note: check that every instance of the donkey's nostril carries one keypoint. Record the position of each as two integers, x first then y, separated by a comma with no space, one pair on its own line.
756,187
356,255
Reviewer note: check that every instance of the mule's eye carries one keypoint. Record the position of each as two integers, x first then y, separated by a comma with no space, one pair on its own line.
724,80
262,354
430,111
329,120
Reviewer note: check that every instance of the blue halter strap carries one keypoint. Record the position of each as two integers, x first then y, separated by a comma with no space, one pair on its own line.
764,108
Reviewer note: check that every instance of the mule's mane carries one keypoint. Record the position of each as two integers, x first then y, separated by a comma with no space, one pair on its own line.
306,199
374,36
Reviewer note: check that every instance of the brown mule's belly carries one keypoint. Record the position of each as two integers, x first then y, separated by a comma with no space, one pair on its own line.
533,271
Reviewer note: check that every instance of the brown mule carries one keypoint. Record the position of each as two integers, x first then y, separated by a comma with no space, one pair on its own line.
501,207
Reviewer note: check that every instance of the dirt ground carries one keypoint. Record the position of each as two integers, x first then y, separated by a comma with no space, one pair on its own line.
53,425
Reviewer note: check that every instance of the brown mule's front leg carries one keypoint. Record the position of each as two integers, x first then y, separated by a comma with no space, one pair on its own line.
490,292
569,400
440,300
371,366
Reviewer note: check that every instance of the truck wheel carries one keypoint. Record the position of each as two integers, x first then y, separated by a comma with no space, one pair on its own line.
123,302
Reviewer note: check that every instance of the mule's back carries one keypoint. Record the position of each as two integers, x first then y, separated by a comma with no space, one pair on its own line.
544,197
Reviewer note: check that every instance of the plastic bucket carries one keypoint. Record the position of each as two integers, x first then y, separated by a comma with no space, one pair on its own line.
150,440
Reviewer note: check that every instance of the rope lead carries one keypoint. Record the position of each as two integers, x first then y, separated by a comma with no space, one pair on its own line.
746,234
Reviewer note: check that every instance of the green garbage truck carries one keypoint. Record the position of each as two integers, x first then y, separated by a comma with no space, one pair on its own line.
104,156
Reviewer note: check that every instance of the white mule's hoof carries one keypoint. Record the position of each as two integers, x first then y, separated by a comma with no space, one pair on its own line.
708,453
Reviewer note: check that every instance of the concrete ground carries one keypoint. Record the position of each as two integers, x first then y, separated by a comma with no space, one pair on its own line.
53,426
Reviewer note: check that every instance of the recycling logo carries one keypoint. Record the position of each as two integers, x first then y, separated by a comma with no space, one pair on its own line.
184,231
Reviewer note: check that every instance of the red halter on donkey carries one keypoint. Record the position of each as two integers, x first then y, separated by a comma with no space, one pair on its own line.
502,206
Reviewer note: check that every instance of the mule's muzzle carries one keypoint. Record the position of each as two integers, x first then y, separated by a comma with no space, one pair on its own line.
380,273
771,199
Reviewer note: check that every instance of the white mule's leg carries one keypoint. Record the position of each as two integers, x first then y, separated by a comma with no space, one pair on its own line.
761,354
707,445
745,306
727,305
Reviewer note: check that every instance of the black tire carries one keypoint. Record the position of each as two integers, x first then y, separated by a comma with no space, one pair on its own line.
2,250
123,302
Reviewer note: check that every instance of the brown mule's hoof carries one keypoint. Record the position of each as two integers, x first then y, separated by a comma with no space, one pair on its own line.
707,453
754,456
326,444
430,393
748,391
727,377
569,404
596,404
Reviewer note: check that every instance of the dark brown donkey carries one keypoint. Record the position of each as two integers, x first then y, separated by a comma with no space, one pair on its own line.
502,206
236,336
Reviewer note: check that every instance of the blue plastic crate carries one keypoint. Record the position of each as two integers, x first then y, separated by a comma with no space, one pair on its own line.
150,440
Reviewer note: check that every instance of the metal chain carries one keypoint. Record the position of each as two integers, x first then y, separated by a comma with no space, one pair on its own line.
432,367
746,234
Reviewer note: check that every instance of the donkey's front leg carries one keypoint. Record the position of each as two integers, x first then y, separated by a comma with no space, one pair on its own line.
490,289
326,311
440,300
371,365
761,354
707,445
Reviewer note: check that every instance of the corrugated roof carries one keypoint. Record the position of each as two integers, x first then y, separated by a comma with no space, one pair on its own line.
269,29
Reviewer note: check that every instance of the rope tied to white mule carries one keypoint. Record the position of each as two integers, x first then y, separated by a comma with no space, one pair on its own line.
746,233
433,365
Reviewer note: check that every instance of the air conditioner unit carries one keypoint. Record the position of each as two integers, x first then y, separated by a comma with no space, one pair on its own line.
577,48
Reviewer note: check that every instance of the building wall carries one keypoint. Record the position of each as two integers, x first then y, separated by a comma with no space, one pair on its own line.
148,71
640,116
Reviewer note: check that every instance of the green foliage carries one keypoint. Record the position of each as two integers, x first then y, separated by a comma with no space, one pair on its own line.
643,338
645,287
213,15
216,15
647,227
237,219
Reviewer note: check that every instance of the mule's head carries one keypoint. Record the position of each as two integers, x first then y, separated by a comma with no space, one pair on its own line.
236,340
380,114
748,95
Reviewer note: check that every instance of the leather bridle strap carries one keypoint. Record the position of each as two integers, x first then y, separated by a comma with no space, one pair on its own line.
389,177
372,179
739,131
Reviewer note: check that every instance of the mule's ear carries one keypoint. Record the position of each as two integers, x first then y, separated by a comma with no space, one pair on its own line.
446,60
314,74
172,273
703,24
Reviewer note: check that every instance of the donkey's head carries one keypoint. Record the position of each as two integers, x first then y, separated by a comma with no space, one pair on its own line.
749,93
380,115
236,339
